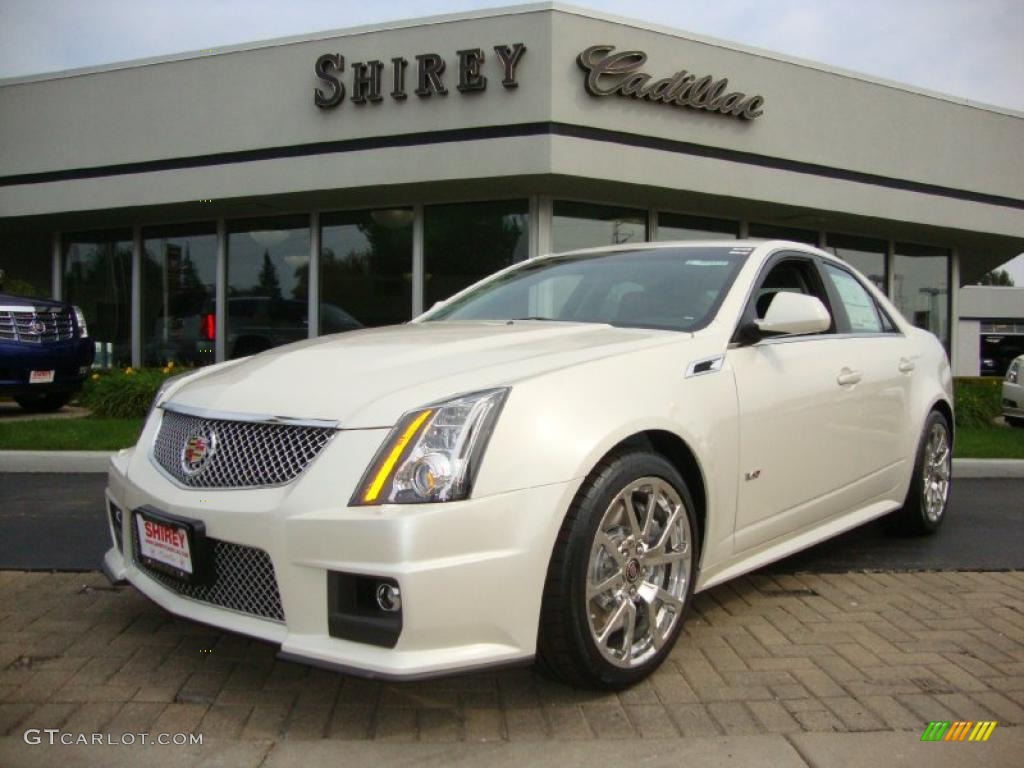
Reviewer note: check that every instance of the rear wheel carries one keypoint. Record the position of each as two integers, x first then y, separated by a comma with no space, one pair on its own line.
928,496
1015,421
621,576
48,403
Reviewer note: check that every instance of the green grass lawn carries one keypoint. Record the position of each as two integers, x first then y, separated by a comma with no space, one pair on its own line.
86,434
989,443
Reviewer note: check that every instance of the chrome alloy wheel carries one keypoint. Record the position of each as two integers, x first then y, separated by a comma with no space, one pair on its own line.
638,571
937,469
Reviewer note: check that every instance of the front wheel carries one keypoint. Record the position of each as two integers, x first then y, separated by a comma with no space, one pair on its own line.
1015,421
928,497
621,575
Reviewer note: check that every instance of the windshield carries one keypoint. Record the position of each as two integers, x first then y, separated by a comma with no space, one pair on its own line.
677,289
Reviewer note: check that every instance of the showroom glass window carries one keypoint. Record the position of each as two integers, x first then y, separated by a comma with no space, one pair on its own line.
179,276
677,226
365,269
775,232
465,242
585,225
98,278
268,284
25,259
866,255
921,287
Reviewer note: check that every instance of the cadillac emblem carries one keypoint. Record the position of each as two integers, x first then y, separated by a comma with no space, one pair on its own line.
197,452
38,327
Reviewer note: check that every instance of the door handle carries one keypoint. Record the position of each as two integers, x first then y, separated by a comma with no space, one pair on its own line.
906,365
847,377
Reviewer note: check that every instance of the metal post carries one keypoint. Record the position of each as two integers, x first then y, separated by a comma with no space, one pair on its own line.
314,275
890,270
221,293
136,300
954,305
418,274
540,225
56,267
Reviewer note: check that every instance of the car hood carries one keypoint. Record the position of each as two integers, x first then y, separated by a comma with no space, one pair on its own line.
369,378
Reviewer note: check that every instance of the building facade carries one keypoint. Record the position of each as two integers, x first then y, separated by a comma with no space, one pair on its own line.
990,329
207,206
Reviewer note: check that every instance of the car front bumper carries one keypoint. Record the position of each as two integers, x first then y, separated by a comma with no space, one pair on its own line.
70,361
470,573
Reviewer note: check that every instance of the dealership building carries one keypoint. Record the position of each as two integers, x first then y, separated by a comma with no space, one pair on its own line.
212,204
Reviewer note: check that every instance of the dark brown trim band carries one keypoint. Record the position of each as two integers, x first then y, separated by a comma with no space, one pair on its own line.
455,135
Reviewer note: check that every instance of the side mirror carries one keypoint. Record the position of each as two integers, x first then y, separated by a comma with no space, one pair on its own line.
793,313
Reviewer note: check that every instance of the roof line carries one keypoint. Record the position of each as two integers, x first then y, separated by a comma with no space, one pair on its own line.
510,10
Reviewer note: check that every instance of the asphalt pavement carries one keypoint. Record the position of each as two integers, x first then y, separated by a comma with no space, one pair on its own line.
56,522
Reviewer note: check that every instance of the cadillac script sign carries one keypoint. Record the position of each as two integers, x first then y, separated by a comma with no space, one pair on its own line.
611,73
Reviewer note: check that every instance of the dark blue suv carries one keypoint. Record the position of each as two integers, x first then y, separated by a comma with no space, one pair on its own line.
45,351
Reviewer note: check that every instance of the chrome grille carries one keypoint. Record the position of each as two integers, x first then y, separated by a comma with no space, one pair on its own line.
38,325
245,454
244,578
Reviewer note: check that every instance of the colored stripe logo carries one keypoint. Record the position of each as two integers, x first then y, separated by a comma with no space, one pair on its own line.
959,730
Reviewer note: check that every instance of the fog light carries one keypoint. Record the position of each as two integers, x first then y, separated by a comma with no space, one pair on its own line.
389,598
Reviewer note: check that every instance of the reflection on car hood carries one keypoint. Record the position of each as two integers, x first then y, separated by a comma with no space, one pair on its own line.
368,378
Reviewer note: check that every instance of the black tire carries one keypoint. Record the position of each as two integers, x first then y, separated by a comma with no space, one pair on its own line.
913,517
566,649
1015,421
48,403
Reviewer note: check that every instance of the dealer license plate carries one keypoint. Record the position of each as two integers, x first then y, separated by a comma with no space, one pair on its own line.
40,377
165,543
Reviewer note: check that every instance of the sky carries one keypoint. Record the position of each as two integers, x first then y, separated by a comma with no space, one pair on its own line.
968,48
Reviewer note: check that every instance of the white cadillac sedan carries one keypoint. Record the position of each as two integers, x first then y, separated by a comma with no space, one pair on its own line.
547,465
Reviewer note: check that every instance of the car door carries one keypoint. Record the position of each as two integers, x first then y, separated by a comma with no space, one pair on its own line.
799,414
882,361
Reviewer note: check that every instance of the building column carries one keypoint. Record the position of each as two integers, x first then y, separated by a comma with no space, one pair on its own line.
890,270
954,307
744,229
56,267
652,225
221,294
417,260
136,300
541,208
314,275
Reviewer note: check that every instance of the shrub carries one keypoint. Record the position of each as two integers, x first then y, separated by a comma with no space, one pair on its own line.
977,400
125,393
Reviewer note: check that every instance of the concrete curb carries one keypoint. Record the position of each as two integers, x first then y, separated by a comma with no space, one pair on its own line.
55,461
96,461
988,468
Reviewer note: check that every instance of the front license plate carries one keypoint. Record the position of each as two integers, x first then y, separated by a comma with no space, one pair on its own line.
172,544
40,377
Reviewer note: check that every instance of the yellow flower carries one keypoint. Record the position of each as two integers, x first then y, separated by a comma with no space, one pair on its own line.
170,365
129,371
95,377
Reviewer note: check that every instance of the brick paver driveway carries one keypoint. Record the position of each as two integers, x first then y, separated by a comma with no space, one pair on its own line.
782,654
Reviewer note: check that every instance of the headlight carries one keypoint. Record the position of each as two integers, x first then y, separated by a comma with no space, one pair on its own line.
1013,373
83,329
433,453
